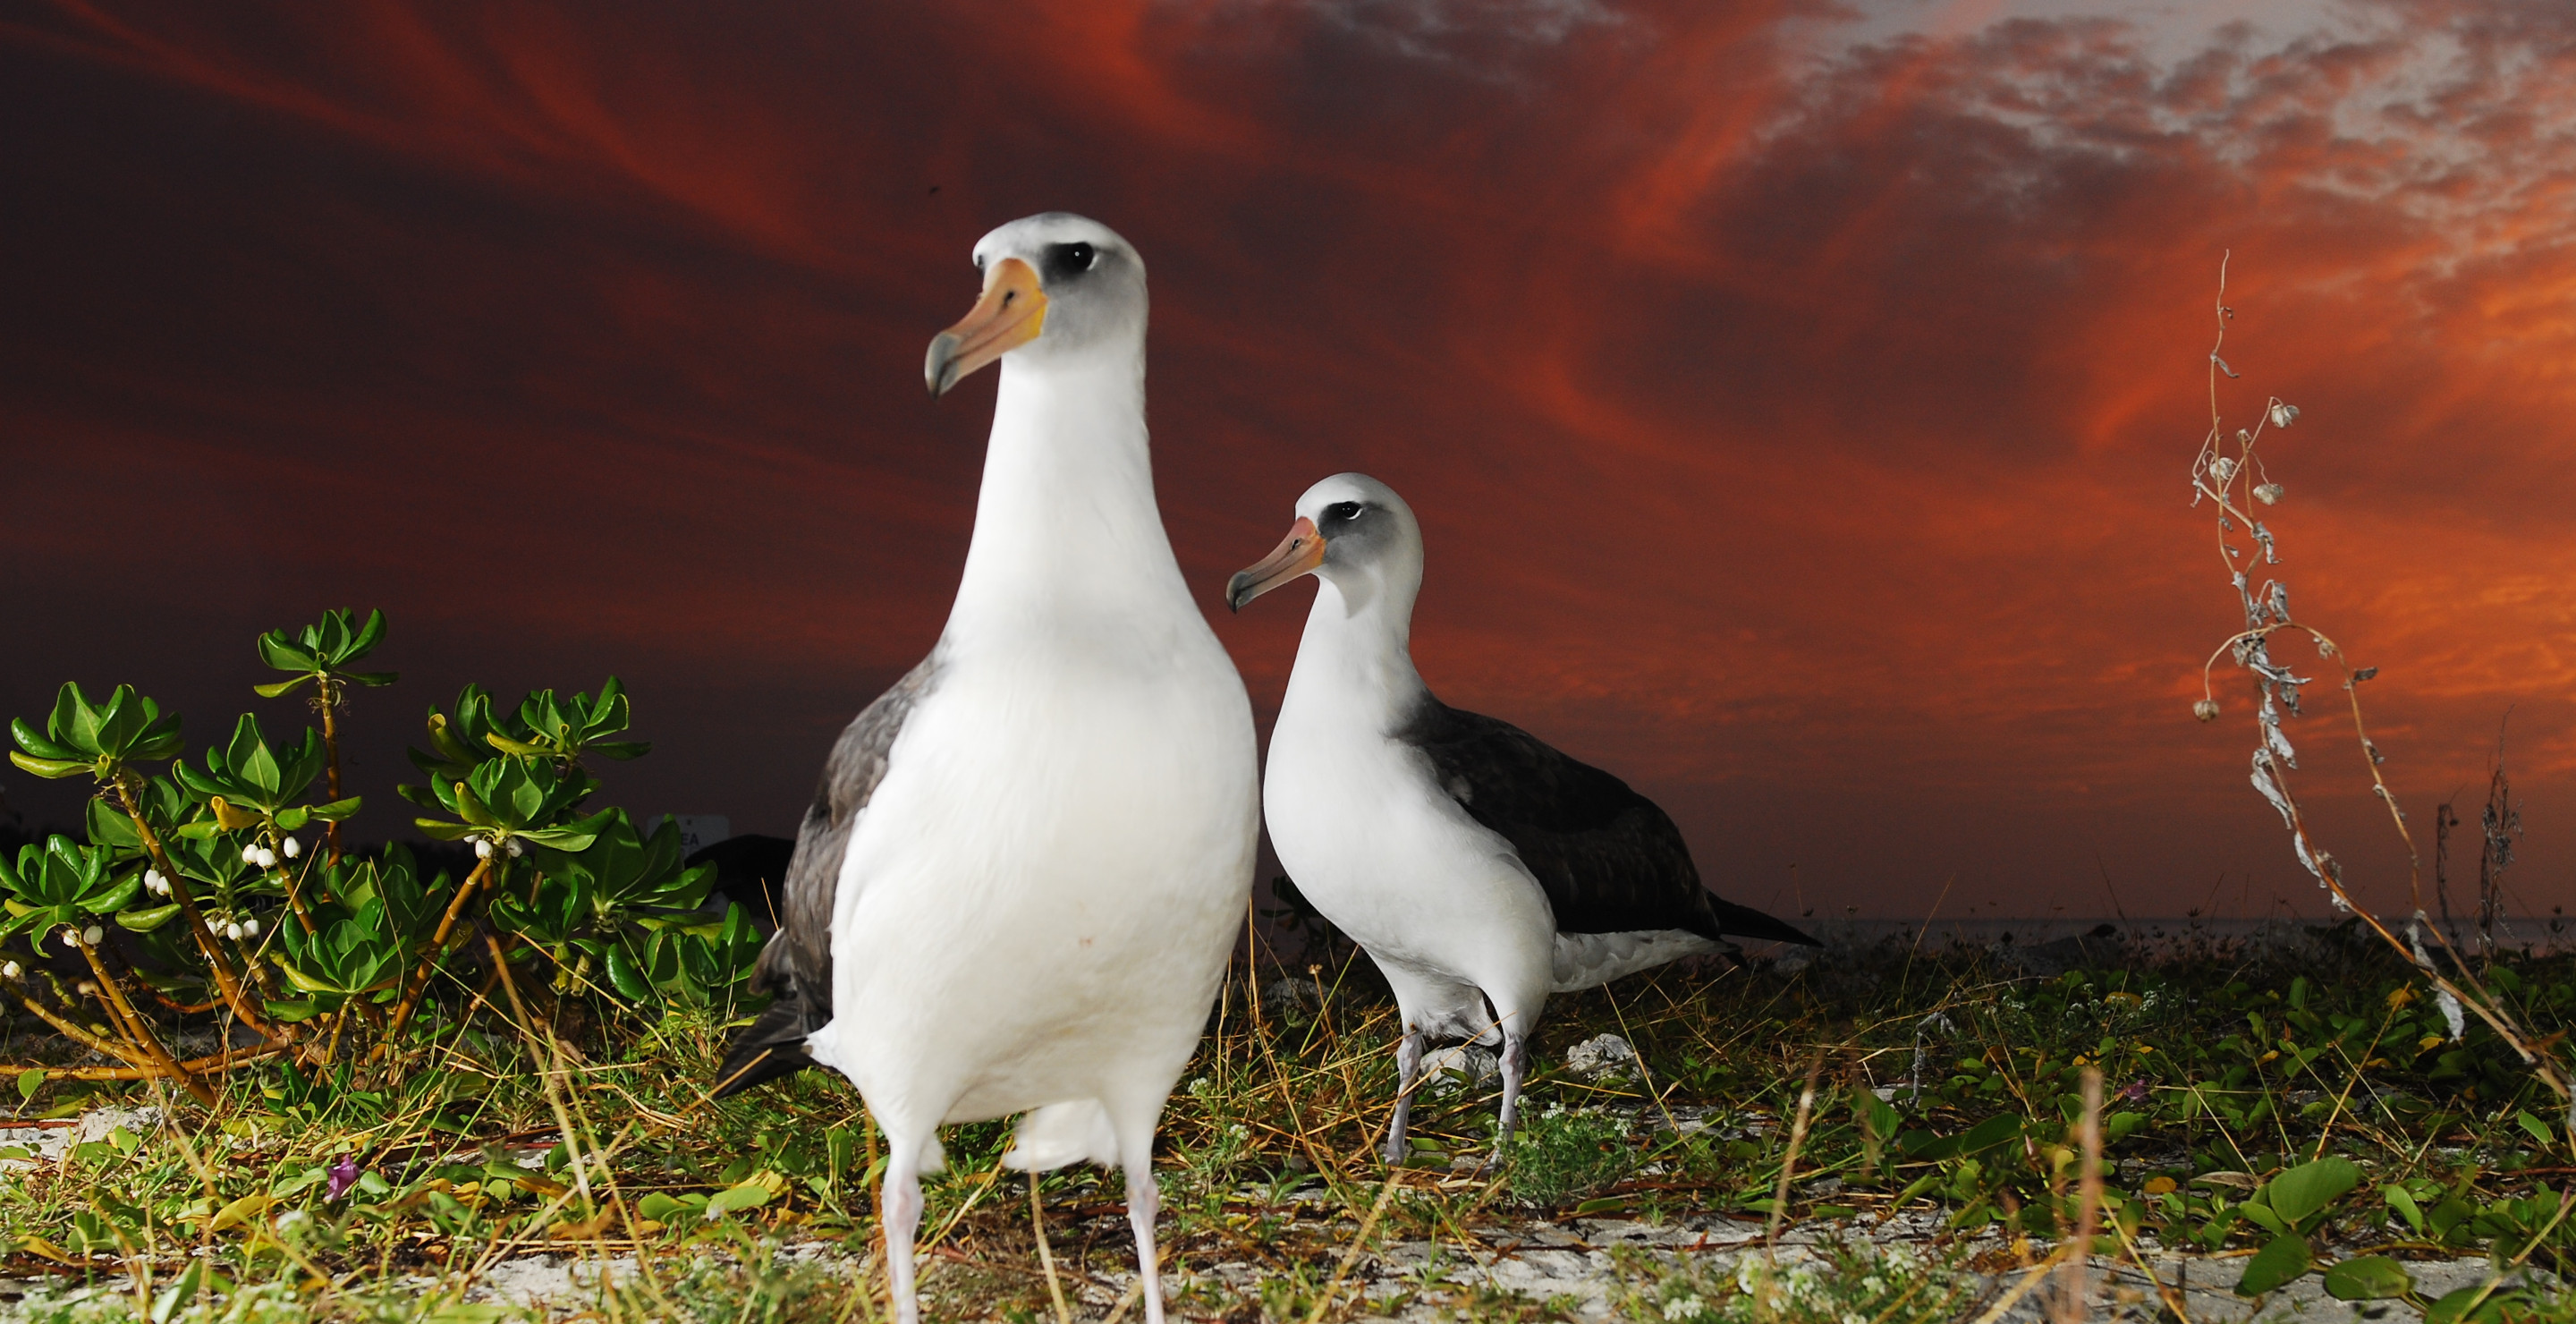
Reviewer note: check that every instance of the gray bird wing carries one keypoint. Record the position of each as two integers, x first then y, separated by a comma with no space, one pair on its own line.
795,968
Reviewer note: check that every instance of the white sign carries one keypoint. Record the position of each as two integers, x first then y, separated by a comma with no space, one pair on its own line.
697,831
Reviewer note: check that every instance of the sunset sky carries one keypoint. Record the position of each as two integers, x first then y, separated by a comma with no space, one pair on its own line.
1798,398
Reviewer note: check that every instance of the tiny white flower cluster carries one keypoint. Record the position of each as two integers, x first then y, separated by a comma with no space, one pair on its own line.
1685,1307
236,929
262,856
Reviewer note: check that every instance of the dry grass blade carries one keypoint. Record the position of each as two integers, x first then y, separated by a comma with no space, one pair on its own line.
1351,1253
2073,1298
1789,1159
1046,1253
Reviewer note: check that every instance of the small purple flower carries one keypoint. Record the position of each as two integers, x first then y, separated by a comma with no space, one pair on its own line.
343,1174
2136,1091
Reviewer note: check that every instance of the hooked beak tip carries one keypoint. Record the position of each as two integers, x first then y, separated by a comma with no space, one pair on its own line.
940,372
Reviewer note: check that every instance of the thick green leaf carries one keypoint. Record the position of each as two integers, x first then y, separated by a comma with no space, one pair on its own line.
283,656
50,769
145,921
2263,1216
2369,1278
437,829
34,742
2404,1203
2310,1187
280,690
337,810
114,898
628,980
2285,1258
292,1010
749,1195
2453,1308
369,635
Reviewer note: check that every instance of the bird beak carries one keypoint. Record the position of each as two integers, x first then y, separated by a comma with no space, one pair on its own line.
1297,554
1010,315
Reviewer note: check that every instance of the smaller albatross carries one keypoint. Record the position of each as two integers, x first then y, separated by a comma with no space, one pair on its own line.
1479,868
1019,880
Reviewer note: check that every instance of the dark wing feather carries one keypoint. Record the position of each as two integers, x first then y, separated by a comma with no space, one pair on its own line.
1609,859
795,968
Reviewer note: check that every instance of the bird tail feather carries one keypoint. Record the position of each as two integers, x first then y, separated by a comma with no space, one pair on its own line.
771,1046
1736,921
1074,1131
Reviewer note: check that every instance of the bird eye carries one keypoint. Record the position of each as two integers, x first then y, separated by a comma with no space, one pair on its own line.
1071,259
1342,510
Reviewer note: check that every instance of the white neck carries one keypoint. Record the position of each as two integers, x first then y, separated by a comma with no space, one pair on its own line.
1356,659
1066,530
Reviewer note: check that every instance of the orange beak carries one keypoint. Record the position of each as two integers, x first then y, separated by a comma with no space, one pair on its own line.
1010,315
1297,554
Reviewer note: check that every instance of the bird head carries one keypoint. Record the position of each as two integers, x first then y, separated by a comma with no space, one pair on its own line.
1058,289
1351,530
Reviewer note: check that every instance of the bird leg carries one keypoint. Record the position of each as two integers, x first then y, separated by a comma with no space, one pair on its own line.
1408,1074
1515,1067
901,1218
1144,1200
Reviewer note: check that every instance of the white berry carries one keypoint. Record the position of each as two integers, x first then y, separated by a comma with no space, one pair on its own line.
93,935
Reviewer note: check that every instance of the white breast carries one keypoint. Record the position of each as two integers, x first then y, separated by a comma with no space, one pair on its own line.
1393,862
1041,893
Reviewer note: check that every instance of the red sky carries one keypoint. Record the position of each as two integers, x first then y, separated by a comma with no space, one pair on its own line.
1798,400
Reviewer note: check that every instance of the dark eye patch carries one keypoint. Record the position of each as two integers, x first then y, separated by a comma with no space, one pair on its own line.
1065,260
1342,510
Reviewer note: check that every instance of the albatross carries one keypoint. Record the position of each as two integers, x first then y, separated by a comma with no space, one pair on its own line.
1480,869
1018,881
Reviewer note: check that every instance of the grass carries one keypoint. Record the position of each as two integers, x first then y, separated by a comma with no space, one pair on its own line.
1945,1091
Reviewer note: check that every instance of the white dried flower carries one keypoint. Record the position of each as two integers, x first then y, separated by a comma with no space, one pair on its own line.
267,858
2206,710
87,988
250,853
93,935
2268,493
2284,415
291,847
482,848
2222,468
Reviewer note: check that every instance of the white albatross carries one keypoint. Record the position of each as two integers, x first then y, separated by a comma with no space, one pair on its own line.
1019,879
1480,869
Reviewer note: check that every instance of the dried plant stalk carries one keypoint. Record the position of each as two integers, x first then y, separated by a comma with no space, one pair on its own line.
2229,473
